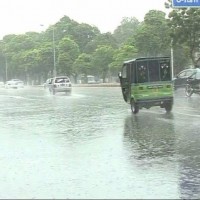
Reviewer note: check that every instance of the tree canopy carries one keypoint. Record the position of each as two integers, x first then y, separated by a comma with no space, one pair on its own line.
81,48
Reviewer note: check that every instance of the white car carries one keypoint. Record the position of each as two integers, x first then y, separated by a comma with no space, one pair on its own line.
14,83
61,84
2,84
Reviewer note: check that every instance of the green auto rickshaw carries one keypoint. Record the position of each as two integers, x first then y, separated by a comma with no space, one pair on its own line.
147,82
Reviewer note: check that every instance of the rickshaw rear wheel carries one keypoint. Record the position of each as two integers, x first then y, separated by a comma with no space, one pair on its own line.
134,107
168,106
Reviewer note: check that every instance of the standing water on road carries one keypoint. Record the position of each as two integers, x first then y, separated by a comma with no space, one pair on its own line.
89,145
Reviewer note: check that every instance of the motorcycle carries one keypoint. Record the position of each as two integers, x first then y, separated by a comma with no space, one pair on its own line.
193,85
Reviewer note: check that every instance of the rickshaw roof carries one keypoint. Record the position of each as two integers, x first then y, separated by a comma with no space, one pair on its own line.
146,58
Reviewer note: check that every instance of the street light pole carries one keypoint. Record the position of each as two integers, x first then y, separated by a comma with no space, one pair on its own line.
54,55
6,67
172,58
6,62
54,51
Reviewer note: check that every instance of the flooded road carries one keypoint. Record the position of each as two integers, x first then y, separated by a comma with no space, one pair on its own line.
89,145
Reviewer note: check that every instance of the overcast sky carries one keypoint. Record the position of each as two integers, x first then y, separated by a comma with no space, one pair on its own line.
20,16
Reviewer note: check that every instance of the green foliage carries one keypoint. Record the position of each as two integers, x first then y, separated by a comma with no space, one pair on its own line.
83,34
69,46
101,39
68,52
82,49
82,64
152,37
20,43
185,29
102,58
127,28
181,58
65,64
126,52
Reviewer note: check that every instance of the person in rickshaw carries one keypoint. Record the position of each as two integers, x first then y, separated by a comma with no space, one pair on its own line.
142,74
165,72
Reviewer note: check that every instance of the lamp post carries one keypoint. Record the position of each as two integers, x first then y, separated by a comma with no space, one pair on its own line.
54,51
6,61
169,8
54,55
6,67
172,58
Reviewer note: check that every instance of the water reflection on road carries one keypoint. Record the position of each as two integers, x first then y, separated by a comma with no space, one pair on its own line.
89,145
151,149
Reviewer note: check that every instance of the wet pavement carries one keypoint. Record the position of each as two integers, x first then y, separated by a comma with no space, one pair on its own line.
89,145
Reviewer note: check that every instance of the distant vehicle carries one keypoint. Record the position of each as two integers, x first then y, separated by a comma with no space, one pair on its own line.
91,79
61,84
180,80
193,83
48,83
14,83
147,82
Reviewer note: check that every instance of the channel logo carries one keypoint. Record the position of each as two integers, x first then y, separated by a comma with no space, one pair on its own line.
185,3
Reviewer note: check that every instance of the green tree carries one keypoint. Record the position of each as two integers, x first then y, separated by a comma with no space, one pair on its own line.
152,37
46,59
106,39
184,24
126,29
101,59
15,47
2,62
67,53
181,58
83,34
82,65
125,52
